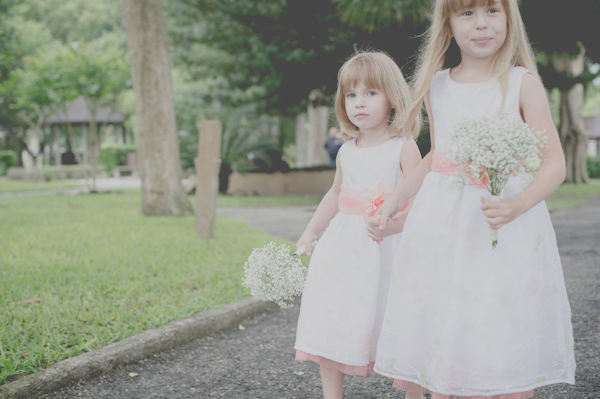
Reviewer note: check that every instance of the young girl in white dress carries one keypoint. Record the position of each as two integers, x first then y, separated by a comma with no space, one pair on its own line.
465,320
344,296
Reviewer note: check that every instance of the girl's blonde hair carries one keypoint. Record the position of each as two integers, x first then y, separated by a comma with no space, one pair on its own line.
440,52
376,70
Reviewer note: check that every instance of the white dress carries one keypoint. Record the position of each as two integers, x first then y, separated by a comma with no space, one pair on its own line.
344,296
463,319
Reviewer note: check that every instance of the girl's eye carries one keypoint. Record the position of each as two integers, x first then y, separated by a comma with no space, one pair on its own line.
493,11
371,93
467,13
350,95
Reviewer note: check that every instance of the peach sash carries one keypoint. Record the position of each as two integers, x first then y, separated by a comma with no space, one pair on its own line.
440,164
362,202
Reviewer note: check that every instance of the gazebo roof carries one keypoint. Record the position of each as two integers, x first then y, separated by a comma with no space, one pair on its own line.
78,113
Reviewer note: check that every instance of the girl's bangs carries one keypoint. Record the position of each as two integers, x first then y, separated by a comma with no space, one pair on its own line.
361,70
452,6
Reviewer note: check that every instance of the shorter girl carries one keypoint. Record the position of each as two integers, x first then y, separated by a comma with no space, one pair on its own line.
344,296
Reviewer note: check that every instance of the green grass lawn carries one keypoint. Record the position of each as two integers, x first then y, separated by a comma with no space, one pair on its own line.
11,186
103,273
568,195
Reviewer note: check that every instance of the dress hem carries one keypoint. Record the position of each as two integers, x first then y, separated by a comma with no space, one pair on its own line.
348,369
413,386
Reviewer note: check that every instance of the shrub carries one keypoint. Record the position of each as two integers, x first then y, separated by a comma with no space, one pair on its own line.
8,159
593,167
115,155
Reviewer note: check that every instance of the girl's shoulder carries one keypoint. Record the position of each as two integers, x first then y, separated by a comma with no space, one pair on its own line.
518,72
441,76
348,144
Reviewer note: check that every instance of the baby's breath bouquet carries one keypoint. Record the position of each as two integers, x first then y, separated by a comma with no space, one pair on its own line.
273,273
488,151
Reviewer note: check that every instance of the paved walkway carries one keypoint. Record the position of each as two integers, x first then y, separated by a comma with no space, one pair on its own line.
256,359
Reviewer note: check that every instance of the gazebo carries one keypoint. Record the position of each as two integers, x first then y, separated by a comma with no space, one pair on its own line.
77,114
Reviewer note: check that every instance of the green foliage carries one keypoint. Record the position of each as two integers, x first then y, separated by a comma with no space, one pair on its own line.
273,53
593,167
112,155
100,285
72,20
8,159
562,29
373,14
244,133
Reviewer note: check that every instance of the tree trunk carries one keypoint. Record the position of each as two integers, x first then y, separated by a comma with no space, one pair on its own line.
93,145
158,147
318,119
573,135
300,138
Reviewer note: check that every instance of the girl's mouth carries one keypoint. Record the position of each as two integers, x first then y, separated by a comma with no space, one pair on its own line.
482,40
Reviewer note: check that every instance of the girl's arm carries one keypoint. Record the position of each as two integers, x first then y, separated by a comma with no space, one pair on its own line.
409,159
412,182
536,113
327,209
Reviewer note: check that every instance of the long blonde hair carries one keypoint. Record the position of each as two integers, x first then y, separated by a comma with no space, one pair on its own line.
437,53
377,70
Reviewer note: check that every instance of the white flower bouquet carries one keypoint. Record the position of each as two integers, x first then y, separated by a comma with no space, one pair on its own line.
273,273
488,151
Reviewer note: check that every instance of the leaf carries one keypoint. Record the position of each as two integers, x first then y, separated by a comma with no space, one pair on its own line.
40,299
133,374
241,327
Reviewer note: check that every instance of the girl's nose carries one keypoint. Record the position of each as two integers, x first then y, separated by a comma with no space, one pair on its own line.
481,21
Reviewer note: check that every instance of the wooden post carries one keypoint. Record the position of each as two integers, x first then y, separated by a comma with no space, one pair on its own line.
207,164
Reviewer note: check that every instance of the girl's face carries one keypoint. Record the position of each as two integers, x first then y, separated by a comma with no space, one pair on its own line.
479,30
367,108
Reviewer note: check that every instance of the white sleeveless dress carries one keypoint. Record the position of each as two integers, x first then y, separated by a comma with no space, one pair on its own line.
348,276
463,319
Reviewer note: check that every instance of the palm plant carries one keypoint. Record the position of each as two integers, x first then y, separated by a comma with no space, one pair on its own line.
245,139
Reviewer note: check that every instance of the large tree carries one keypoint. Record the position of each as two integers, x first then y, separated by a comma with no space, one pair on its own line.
158,150
566,37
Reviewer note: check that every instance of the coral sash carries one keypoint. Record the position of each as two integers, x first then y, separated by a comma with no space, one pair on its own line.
440,164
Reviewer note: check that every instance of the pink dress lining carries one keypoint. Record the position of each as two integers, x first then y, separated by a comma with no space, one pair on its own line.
412,387
332,364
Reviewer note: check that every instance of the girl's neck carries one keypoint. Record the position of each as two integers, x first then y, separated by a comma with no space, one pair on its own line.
473,71
372,138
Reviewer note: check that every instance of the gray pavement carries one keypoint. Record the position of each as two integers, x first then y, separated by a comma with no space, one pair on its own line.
255,359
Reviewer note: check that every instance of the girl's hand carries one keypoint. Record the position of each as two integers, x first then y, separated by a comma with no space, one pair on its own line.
499,213
308,240
393,226
373,230
389,207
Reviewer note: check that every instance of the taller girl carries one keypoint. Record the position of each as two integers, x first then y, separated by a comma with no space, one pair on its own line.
463,319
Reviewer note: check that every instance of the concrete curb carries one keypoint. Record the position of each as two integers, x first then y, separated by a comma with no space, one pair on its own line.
132,349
